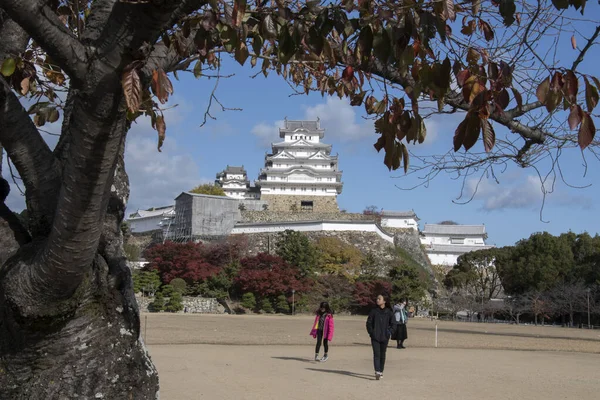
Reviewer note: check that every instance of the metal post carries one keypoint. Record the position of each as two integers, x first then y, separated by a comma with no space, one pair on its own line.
436,335
588,301
145,326
293,302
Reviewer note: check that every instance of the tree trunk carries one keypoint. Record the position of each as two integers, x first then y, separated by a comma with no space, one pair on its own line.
83,345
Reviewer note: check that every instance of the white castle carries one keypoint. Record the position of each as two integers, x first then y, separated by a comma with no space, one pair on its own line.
299,174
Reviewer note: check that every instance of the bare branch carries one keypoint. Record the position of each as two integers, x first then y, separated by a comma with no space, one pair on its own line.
43,25
589,44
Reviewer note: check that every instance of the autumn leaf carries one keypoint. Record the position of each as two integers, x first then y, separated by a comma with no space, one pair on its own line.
53,115
462,77
241,53
198,69
380,143
472,130
459,135
488,32
489,136
405,156
161,85
268,29
475,6
587,130
543,90
472,56
591,95
239,10
25,86
370,105
575,116
502,99
574,42
448,10
132,88
161,128
518,97
571,86
422,133
8,67
348,74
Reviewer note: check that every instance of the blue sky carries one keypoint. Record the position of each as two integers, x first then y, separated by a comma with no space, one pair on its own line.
192,155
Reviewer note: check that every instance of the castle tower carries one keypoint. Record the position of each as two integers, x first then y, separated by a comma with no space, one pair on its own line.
235,183
300,173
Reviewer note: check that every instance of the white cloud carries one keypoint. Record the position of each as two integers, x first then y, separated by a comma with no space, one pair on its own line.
267,133
526,194
340,120
156,178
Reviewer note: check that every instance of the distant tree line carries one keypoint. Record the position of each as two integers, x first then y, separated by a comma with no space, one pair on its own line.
542,279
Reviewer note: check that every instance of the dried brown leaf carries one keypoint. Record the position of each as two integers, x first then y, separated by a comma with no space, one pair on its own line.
161,128
543,90
489,136
587,131
161,85
132,88
575,116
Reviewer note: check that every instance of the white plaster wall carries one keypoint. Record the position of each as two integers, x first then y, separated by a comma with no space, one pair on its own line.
392,222
145,224
313,226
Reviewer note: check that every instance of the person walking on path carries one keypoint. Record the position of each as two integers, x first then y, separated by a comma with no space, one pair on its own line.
400,319
379,327
323,329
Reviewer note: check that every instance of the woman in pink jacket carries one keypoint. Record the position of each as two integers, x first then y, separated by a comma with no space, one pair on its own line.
323,329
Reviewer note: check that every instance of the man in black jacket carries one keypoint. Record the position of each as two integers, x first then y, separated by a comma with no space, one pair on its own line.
379,327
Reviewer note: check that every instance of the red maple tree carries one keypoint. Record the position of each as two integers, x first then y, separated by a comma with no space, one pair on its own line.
268,276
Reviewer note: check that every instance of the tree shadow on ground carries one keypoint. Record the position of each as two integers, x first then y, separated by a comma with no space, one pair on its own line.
346,373
308,360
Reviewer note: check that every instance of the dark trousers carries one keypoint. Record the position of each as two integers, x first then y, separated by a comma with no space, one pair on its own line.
379,349
325,342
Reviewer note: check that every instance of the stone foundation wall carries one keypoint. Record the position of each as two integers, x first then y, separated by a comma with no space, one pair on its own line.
366,242
198,305
409,240
287,203
288,216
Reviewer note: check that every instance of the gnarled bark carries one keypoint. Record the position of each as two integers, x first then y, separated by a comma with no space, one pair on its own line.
69,323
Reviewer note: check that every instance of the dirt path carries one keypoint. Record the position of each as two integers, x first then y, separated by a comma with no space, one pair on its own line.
286,372
269,357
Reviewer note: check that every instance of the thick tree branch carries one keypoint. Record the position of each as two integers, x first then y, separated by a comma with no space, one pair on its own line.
43,25
97,129
31,156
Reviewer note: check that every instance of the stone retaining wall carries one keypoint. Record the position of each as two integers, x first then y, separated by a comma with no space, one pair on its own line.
286,203
198,305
